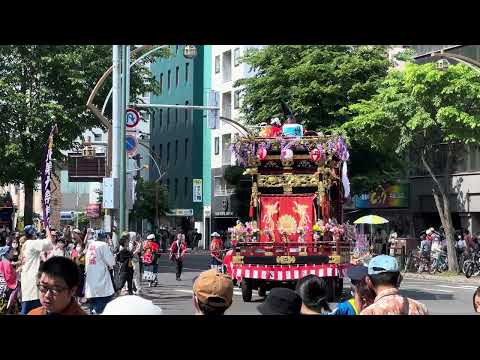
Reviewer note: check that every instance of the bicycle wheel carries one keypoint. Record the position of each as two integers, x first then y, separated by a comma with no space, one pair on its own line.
433,268
469,270
408,262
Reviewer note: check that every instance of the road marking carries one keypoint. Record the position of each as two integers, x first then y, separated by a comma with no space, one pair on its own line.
465,287
416,288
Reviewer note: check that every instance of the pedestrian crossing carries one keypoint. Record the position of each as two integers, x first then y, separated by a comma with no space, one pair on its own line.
442,288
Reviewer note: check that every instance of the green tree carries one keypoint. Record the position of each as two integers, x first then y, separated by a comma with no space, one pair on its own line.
421,113
319,82
148,202
42,85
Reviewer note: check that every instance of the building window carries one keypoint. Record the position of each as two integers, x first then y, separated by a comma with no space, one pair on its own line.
176,150
227,105
97,137
227,66
176,188
236,57
217,145
168,80
186,148
221,188
187,65
186,115
236,99
185,187
176,117
161,118
217,64
177,76
226,152
168,119
168,153
161,82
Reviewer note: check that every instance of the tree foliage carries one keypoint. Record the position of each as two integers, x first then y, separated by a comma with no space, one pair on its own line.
42,85
423,111
146,204
319,83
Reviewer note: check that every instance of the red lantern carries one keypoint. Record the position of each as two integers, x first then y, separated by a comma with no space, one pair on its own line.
262,153
316,155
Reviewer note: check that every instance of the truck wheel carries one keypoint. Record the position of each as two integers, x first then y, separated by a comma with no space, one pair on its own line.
262,291
331,289
339,288
246,286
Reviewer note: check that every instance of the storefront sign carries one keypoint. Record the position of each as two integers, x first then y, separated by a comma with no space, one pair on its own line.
93,211
388,196
197,190
180,212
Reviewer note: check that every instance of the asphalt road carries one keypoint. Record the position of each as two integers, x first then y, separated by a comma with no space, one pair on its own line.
175,297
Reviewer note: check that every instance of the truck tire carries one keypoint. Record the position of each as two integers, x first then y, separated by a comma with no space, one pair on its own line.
331,287
246,286
262,291
339,288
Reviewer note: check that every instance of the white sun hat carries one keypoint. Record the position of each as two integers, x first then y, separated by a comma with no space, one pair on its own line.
132,305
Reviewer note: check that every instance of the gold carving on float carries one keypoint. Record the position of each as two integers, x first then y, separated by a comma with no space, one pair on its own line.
302,254
289,180
285,259
237,259
334,259
286,223
268,253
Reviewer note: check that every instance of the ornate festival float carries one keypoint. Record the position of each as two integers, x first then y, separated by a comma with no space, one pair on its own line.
299,181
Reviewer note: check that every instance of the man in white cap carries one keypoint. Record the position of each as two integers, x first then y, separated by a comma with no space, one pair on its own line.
216,246
131,305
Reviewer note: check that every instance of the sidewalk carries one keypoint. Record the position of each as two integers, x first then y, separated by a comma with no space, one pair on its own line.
453,278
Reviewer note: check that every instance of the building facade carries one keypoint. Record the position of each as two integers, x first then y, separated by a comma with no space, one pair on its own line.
178,136
226,70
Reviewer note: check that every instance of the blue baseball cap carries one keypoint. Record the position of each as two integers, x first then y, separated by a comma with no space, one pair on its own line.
357,273
381,264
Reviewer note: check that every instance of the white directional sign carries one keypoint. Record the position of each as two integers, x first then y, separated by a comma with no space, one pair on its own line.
132,118
213,116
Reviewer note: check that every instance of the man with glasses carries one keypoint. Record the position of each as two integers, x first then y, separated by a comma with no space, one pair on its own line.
57,284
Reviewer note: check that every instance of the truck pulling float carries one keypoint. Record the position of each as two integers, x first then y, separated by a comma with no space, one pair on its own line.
296,229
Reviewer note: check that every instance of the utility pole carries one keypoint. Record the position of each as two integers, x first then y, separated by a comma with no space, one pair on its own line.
122,152
116,120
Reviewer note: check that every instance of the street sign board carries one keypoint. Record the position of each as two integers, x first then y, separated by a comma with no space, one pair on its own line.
131,144
66,215
132,118
197,190
93,211
213,116
110,193
180,212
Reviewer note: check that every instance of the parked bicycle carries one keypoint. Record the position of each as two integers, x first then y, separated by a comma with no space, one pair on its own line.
472,266
439,262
